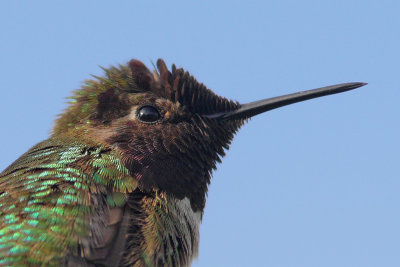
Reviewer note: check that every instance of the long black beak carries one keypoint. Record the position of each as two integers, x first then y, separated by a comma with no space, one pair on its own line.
251,109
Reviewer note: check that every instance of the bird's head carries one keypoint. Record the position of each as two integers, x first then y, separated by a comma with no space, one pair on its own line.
168,129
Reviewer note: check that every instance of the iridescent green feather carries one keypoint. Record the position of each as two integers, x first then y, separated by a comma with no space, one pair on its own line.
47,196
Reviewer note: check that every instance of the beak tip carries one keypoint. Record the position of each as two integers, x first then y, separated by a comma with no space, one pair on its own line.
359,84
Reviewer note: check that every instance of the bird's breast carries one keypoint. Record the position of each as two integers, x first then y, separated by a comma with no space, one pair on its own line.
163,231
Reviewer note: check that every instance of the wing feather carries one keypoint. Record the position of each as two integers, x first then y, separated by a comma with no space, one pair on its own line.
61,200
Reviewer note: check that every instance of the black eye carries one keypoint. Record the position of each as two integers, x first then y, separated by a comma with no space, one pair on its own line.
148,114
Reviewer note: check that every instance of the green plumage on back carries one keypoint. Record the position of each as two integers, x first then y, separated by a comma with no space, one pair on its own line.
49,195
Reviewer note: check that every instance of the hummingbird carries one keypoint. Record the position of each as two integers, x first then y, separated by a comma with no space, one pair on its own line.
122,180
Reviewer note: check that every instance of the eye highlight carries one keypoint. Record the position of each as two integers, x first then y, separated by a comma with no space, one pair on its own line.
148,114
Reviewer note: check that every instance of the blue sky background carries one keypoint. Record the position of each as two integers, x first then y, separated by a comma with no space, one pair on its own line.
312,184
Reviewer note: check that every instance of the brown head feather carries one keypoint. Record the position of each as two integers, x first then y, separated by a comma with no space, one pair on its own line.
176,154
